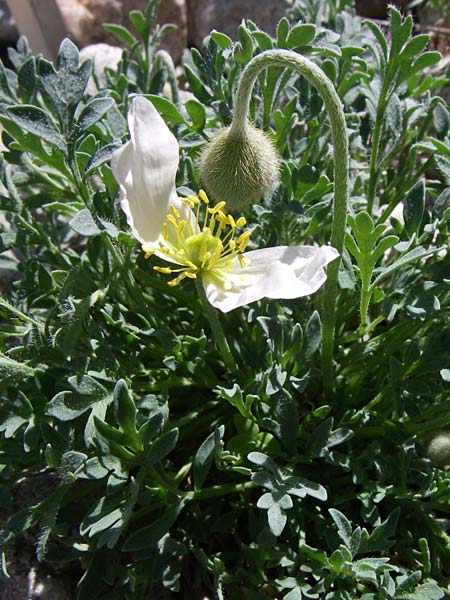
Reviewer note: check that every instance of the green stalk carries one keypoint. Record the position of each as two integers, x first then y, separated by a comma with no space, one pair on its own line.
163,60
216,327
333,105
373,168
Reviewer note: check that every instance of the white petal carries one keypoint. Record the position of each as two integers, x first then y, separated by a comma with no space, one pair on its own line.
145,168
280,272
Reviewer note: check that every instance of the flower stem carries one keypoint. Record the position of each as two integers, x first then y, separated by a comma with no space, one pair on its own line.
216,327
333,105
163,60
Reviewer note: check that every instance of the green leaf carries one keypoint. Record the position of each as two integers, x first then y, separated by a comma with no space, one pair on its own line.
313,336
299,486
263,40
400,30
167,109
26,78
276,519
122,33
412,256
414,206
84,224
427,59
222,40
287,419
415,45
379,36
380,539
150,429
9,366
37,121
68,57
93,112
151,534
124,408
111,433
243,50
282,32
301,35
101,156
197,112
140,23
426,591
68,405
344,527
197,87
162,446
441,120
204,457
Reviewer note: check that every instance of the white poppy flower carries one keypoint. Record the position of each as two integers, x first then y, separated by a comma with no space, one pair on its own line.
197,240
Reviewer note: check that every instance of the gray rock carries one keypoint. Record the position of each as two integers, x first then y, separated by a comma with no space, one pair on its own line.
102,55
377,9
174,11
226,16
84,20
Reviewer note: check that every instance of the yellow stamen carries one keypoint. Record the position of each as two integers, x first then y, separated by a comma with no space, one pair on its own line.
243,240
148,249
202,195
243,261
204,242
215,209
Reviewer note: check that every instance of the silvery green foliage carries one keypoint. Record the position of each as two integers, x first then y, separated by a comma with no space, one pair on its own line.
166,469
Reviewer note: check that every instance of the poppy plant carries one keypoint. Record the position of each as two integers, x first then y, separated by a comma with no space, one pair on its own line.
199,240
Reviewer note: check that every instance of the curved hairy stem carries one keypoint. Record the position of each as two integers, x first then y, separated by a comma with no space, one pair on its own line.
333,105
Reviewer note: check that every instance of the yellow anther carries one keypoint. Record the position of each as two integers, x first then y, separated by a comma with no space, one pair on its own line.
243,240
148,249
243,261
171,219
205,241
215,256
202,195
215,209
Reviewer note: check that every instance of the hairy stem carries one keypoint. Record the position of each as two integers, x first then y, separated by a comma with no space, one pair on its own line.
333,105
216,327
163,60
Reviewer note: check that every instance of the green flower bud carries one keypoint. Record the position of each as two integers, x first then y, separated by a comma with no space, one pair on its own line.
239,167
438,449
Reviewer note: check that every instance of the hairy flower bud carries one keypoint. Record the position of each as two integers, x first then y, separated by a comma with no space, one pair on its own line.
239,167
438,449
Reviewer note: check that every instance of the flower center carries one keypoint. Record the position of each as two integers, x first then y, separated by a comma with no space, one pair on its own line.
202,239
